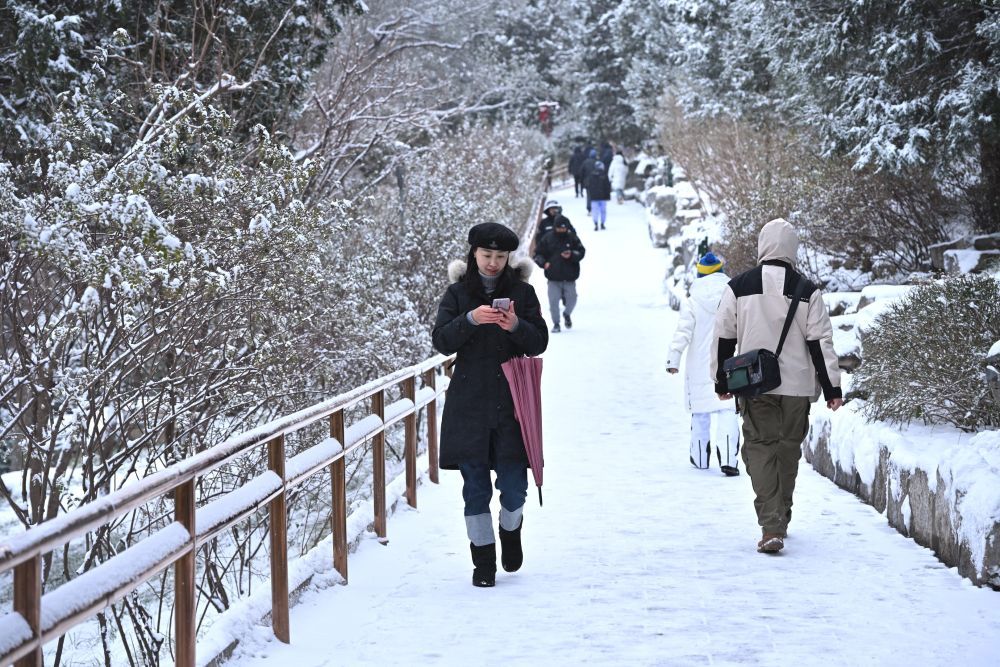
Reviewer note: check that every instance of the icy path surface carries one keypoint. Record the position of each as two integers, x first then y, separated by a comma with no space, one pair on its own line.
637,558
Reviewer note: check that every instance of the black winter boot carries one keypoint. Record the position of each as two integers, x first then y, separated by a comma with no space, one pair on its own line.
511,555
484,559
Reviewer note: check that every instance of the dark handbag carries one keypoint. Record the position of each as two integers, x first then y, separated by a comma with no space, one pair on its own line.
756,372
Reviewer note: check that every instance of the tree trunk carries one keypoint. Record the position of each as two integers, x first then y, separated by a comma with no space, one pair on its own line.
986,200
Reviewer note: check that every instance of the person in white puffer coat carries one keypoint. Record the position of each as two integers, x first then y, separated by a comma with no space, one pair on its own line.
617,174
713,422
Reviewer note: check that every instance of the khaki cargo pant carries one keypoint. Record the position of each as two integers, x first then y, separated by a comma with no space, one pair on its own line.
773,430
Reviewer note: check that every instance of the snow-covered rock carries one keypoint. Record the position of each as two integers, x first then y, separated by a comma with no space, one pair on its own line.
937,485
961,255
846,343
969,260
841,303
993,371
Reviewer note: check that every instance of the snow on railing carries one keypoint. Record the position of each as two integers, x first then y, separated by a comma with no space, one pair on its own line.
37,619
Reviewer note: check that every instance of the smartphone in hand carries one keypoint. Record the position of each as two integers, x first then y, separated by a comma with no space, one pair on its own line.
501,304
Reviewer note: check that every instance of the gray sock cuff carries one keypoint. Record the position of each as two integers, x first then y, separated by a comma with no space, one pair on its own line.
511,520
480,529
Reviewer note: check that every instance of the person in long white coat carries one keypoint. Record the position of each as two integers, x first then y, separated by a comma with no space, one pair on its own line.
617,173
713,422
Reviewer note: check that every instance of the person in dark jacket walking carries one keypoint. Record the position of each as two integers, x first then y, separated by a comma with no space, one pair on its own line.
586,169
599,194
607,154
479,432
559,252
551,211
576,170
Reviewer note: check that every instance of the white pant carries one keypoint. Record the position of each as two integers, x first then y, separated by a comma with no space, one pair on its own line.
719,428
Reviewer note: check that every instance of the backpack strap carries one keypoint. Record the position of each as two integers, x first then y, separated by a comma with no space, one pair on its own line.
799,291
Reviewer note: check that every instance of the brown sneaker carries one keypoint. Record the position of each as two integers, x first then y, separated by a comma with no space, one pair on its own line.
771,543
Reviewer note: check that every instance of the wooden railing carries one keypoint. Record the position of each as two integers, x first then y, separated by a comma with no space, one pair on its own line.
37,619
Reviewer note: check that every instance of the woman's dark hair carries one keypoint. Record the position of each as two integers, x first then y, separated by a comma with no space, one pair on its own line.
474,284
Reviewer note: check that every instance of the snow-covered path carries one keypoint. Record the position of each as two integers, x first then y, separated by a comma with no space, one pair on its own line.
637,558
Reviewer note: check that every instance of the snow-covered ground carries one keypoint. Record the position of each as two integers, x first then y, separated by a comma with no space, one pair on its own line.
637,558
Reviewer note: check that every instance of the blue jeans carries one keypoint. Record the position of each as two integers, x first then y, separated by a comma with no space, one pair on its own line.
512,483
599,211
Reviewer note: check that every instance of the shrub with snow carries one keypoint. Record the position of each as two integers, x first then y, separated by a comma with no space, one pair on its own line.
925,358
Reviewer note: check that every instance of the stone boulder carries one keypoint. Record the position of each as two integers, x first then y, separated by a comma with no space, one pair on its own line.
986,242
938,249
664,205
993,372
969,260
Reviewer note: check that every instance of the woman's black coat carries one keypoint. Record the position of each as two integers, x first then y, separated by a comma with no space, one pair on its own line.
576,162
479,410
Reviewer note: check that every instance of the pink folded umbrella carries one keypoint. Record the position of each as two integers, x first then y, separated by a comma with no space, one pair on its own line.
524,375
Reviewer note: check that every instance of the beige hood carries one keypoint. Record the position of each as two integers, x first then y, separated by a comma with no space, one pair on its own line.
778,241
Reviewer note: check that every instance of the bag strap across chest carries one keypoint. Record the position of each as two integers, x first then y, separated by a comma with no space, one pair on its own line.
796,296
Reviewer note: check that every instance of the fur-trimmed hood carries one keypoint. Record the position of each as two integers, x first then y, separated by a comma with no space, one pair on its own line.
521,267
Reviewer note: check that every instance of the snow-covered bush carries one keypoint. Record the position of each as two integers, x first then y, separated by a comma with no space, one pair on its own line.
925,359
155,303
471,175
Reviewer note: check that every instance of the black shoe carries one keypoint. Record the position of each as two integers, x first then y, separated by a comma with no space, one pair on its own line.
569,322
511,555
595,226
555,328
731,471
602,225
484,560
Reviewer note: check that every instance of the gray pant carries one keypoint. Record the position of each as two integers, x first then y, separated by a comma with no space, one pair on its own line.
564,290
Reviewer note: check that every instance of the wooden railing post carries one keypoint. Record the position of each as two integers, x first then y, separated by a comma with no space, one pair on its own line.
432,428
338,513
410,446
185,593
28,603
378,465
278,517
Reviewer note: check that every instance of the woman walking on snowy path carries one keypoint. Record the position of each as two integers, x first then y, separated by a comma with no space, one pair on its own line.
599,192
617,174
479,432
712,420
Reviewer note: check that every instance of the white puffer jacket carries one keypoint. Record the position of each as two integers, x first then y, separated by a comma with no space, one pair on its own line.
694,333
618,172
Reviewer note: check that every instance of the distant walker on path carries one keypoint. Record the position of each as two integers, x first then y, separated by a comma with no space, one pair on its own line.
559,252
599,192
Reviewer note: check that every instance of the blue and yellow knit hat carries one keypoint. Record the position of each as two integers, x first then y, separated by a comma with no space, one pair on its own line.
708,263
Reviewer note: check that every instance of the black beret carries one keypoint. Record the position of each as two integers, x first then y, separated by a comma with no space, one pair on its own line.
493,236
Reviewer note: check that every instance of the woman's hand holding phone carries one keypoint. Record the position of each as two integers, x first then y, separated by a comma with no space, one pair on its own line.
505,319
508,319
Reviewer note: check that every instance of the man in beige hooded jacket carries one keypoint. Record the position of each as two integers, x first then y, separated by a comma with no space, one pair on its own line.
750,316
